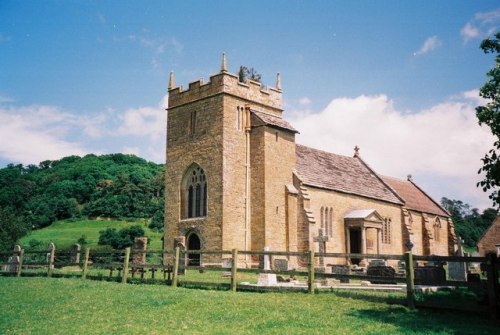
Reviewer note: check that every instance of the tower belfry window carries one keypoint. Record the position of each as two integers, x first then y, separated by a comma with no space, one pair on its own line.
192,123
194,193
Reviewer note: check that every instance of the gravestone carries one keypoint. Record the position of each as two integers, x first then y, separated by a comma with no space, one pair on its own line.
51,255
13,262
430,275
342,270
457,271
267,263
180,241
227,263
281,265
266,278
321,239
75,253
376,262
140,246
387,272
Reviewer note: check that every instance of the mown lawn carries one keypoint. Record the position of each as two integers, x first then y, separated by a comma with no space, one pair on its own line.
66,233
74,306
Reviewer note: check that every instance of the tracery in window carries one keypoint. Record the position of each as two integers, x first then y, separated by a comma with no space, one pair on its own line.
194,193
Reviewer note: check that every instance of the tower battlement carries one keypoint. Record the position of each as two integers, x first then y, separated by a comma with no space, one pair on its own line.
225,83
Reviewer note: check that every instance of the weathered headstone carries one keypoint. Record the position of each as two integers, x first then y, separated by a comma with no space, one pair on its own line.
267,279
457,271
180,241
430,275
376,262
342,270
267,263
51,255
140,246
12,265
281,265
227,263
321,239
386,272
75,253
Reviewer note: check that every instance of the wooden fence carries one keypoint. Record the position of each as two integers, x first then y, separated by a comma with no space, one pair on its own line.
121,267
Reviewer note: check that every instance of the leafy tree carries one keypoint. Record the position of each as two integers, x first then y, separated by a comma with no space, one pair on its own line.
489,114
12,228
469,223
245,74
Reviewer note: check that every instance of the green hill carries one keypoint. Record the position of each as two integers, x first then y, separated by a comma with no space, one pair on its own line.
65,233
118,186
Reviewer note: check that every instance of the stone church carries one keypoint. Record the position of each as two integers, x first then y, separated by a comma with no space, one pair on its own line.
236,178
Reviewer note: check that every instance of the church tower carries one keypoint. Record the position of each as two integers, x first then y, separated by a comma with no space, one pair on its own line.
230,157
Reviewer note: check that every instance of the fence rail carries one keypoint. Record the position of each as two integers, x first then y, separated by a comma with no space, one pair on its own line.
171,267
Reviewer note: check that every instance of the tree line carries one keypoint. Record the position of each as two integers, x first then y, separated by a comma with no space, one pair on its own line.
114,185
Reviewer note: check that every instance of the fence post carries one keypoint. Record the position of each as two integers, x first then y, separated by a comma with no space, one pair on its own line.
85,263
176,267
310,281
234,268
52,253
492,279
125,265
410,280
20,265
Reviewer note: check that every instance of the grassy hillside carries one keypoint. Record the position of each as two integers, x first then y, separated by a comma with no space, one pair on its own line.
65,233
74,306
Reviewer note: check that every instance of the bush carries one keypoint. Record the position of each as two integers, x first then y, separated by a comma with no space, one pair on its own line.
121,239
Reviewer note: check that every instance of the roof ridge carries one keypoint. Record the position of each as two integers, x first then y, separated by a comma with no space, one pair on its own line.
428,196
324,151
403,201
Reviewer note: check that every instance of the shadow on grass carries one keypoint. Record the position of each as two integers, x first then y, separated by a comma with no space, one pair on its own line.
391,298
429,322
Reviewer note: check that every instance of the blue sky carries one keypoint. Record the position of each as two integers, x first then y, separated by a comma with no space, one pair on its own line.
397,78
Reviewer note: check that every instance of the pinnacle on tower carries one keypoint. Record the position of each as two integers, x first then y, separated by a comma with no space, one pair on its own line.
171,80
223,67
278,81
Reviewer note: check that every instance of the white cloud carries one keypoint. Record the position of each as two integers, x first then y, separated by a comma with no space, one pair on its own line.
32,134
469,32
305,101
481,25
144,121
488,17
442,143
429,45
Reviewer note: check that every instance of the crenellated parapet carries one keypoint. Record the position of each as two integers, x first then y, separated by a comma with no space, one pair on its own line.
226,83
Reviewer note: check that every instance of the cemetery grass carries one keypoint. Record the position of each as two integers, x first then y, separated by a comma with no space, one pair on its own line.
74,306
67,232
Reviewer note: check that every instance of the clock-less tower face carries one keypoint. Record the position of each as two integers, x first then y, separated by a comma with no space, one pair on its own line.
208,175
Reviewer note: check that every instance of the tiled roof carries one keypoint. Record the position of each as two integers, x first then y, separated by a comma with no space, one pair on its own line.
274,121
340,173
414,197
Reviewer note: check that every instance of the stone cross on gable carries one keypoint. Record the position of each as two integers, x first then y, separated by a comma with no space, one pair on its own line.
321,239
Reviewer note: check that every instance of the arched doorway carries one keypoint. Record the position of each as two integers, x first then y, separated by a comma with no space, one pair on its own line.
193,243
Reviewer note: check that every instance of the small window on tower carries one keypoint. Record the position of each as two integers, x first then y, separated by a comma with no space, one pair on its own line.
192,123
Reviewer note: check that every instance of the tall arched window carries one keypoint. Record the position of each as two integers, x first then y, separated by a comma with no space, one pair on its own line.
194,193
322,218
386,231
330,223
437,228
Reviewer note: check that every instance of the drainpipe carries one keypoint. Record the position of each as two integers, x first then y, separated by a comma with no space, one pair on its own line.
247,179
